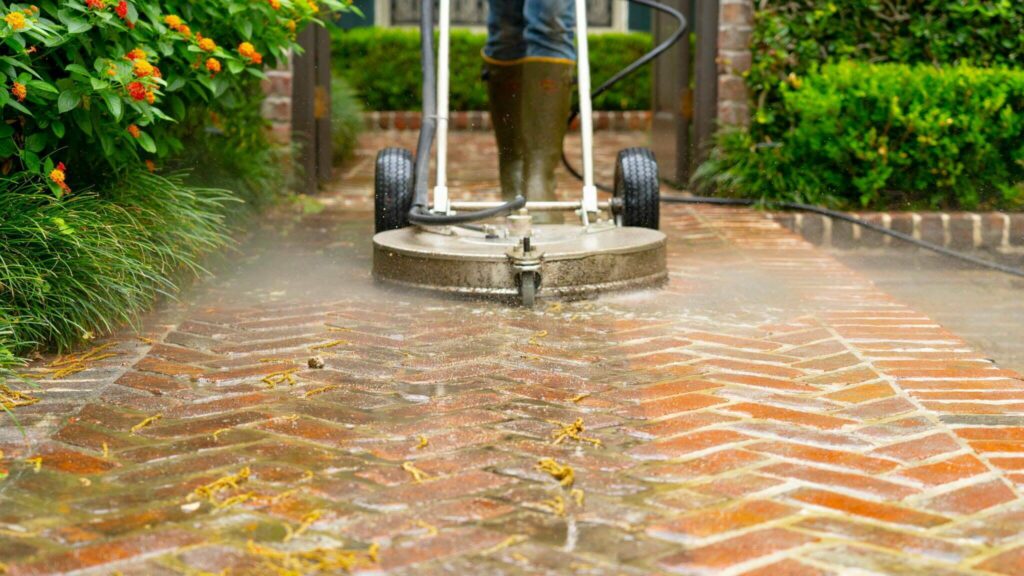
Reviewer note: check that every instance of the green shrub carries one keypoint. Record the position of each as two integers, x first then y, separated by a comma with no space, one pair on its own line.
79,266
383,66
886,135
793,36
346,119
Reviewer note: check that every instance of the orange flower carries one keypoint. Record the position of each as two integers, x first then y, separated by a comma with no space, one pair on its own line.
143,68
16,20
19,91
150,96
173,21
95,4
213,65
275,4
137,91
207,44
248,51
133,130
150,166
58,175
185,31
290,25
135,54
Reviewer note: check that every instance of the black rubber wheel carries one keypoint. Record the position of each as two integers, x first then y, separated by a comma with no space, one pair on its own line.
392,189
637,187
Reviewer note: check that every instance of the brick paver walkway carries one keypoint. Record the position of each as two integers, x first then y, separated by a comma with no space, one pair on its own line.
769,412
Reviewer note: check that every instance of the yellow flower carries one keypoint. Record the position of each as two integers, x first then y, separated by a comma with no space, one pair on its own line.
16,20
207,44
142,68
275,4
173,21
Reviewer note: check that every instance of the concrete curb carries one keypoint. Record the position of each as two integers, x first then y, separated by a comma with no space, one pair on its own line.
481,120
996,231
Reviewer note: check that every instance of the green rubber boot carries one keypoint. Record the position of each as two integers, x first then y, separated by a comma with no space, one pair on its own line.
504,82
530,101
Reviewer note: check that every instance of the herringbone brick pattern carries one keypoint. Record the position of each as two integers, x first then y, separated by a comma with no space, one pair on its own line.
768,412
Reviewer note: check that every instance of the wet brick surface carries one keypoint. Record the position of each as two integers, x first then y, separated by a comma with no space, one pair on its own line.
768,412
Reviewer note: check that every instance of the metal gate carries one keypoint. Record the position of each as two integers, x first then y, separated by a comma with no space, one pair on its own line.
685,84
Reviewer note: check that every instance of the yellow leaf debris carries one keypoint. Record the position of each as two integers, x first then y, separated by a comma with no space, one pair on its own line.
280,377
71,364
317,391
423,443
85,482
313,561
533,341
417,474
304,525
146,423
11,399
580,398
209,491
573,431
577,495
37,463
330,344
556,504
510,541
564,474
106,450
430,528
216,433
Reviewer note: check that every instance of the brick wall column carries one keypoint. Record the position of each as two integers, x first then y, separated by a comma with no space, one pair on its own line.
277,106
736,25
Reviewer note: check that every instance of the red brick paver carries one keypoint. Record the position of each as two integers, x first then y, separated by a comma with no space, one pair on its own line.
768,412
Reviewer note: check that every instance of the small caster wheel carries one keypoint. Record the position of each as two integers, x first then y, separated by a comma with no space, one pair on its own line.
392,189
637,188
528,282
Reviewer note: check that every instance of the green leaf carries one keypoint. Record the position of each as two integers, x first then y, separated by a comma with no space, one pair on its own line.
58,128
114,104
236,66
36,142
77,69
246,26
75,24
147,142
31,160
67,101
41,86
98,84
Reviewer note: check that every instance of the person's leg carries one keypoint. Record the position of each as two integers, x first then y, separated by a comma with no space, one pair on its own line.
550,28
547,90
506,25
503,54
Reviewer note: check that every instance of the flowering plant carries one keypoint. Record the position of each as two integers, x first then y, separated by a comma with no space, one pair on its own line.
98,85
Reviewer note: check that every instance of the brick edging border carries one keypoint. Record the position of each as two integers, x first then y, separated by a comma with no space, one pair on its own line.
477,120
996,231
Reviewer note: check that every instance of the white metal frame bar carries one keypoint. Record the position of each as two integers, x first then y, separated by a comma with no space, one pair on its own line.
441,189
586,111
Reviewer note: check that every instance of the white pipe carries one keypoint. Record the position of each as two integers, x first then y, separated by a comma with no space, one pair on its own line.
586,112
441,203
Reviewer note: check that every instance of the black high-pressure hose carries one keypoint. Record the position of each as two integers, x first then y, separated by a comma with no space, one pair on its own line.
836,215
632,67
420,213
794,206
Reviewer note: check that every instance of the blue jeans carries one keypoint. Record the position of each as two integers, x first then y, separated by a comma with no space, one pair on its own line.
530,28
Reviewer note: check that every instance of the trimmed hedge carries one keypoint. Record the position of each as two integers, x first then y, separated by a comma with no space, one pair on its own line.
794,36
383,66
886,135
